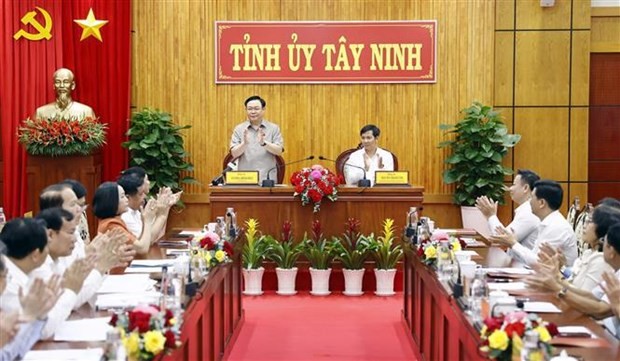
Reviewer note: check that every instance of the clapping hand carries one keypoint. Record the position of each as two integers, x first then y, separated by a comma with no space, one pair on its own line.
74,276
612,289
40,299
503,237
486,206
8,327
545,279
551,256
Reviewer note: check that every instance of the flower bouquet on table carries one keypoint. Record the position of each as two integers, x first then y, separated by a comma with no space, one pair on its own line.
428,248
146,331
61,136
502,337
209,248
314,184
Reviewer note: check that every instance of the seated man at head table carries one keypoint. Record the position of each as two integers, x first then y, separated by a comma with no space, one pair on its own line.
257,141
369,159
26,242
597,303
553,229
19,331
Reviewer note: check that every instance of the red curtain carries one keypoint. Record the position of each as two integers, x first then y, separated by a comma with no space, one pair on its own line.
102,75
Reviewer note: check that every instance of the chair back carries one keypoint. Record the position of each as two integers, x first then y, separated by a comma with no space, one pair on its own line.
344,157
279,163
580,224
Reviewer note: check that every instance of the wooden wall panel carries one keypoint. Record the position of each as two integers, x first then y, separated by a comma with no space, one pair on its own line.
542,68
504,60
579,144
605,30
580,68
530,15
173,66
550,81
544,143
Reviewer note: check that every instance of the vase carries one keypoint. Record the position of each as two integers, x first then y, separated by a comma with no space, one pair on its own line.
253,281
320,281
286,281
385,282
353,282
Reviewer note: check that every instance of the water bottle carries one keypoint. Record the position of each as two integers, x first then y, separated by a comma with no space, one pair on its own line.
114,348
168,294
478,296
531,350
444,261
2,219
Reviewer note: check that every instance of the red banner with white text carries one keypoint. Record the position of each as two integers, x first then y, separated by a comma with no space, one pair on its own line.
326,52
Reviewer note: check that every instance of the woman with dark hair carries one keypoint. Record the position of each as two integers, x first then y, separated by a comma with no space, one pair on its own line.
80,192
109,203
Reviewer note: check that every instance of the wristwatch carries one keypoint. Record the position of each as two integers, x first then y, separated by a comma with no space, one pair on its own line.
562,292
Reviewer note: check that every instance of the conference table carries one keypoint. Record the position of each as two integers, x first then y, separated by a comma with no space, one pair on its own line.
439,329
212,318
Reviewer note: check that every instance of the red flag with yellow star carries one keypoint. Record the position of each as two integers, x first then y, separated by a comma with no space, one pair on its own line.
91,38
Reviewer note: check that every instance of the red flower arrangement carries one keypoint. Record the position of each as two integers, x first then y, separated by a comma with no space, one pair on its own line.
147,331
314,184
211,248
61,136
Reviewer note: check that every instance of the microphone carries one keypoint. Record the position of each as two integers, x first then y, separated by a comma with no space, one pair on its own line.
362,182
220,178
270,183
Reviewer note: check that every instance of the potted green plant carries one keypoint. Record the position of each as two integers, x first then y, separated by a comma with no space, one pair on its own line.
285,254
386,254
481,141
156,144
253,254
318,250
352,250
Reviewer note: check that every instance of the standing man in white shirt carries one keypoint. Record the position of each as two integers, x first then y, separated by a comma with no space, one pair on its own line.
554,229
524,225
371,158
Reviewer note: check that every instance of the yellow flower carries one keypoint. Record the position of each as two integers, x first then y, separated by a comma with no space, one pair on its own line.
154,342
430,252
173,321
132,343
220,255
456,245
207,256
543,333
499,340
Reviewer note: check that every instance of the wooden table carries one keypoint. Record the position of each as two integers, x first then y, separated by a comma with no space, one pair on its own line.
440,330
212,319
273,206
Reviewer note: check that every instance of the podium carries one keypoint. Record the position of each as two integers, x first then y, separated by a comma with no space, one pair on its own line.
272,206
42,171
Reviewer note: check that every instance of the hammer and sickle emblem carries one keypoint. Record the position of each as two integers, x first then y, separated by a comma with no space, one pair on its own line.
44,32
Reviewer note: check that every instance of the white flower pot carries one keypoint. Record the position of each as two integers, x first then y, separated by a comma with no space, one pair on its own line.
353,282
286,280
385,282
320,281
253,281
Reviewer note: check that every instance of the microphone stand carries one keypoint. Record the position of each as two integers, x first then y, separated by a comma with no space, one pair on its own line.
363,183
270,183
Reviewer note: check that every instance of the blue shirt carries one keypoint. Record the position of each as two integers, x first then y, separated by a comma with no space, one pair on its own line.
27,336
